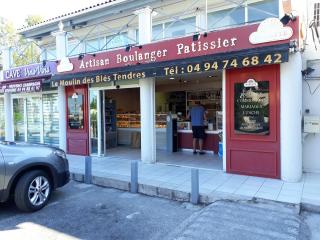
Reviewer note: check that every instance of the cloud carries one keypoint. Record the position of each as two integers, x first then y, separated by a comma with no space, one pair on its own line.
270,30
65,65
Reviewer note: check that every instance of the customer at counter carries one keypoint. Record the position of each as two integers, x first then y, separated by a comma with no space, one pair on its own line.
198,115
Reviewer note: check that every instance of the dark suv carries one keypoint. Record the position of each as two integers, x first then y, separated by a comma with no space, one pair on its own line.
30,173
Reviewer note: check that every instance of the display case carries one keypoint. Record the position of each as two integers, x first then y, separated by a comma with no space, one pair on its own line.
132,120
184,125
128,120
161,120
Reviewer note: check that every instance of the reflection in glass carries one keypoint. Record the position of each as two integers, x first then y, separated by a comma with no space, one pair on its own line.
180,28
226,18
50,119
18,119
2,126
262,10
93,122
75,112
119,40
33,119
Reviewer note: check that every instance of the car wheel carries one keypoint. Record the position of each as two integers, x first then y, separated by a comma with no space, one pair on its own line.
33,191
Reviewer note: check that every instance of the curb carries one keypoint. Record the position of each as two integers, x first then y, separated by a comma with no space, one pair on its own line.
183,196
143,188
310,207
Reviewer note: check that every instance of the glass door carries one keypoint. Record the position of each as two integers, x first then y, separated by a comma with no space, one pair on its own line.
19,119
34,119
50,119
96,98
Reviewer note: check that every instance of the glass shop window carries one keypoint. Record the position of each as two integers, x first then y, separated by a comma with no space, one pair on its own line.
18,119
33,119
75,112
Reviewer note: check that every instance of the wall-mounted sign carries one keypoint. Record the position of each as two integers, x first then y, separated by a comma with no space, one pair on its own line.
250,83
271,30
251,107
21,87
217,42
100,78
225,62
64,65
263,56
38,70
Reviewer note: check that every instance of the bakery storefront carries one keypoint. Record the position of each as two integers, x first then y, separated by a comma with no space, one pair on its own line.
234,73
33,104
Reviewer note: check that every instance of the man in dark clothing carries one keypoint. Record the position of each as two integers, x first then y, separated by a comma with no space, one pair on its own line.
198,115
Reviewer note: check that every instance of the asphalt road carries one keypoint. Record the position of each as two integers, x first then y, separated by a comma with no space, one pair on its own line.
80,211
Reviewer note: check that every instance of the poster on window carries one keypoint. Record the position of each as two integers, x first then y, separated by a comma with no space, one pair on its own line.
251,107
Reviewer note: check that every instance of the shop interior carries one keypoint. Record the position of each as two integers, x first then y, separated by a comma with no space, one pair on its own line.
174,96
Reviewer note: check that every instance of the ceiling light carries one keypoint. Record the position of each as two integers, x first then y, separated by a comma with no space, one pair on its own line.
128,48
307,71
81,56
196,37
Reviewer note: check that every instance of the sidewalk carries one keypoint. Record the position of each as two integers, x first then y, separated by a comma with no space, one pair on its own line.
174,182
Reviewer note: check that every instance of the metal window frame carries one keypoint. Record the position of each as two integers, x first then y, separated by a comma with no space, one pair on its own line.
25,96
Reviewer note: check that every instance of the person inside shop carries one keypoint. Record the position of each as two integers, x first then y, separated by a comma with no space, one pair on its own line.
198,115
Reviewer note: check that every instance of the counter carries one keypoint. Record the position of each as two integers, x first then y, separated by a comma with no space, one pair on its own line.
211,141
124,136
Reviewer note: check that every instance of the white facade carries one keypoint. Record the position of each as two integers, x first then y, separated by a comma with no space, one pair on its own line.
310,87
292,86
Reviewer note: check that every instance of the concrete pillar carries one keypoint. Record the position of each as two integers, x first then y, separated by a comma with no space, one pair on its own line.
7,62
61,46
61,42
62,118
224,120
290,118
6,58
147,93
201,21
8,117
148,130
145,24
99,122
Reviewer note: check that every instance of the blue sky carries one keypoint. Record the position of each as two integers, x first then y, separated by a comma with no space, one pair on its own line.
17,10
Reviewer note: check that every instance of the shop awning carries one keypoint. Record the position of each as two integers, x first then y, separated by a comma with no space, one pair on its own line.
246,58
